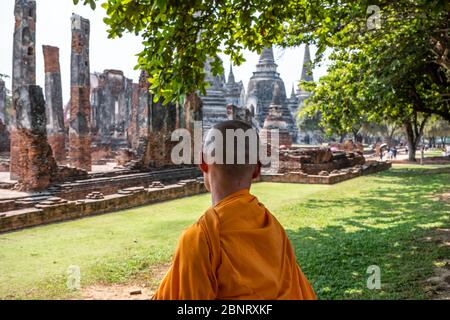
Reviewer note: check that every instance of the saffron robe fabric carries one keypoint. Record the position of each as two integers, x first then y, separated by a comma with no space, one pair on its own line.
236,250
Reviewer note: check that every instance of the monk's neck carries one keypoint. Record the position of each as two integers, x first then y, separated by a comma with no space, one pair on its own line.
221,191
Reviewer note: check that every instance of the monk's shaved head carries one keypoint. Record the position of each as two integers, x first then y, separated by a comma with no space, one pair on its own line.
233,147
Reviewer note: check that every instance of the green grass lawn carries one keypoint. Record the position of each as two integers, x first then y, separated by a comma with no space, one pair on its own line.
430,153
337,231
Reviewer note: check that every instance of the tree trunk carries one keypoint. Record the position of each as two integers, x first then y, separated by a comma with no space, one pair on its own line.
412,143
414,131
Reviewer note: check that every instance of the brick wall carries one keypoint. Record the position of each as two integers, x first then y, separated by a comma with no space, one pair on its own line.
43,214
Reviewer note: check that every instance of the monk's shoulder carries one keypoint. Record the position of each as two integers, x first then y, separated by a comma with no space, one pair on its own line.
199,230
194,232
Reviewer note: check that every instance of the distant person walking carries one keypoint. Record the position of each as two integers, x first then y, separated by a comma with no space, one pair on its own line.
394,152
390,154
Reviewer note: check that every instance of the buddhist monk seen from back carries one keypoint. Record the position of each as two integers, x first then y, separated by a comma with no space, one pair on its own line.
237,249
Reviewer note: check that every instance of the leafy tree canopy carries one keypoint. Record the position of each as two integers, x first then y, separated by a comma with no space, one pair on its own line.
178,36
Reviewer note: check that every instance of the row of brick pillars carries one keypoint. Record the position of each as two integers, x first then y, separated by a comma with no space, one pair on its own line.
150,125
37,125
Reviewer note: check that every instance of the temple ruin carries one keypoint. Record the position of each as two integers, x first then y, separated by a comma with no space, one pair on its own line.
110,147
215,100
261,89
276,121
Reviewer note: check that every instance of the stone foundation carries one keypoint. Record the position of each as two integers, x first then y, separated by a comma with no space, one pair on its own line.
56,211
46,208
325,177
312,161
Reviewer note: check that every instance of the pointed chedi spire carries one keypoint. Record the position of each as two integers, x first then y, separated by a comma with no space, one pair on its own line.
267,56
307,66
266,61
231,79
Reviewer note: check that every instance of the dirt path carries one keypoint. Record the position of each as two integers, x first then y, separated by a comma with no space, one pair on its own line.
137,289
438,286
117,292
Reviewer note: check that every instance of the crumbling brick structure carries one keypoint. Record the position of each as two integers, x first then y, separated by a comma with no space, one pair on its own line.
316,160
140,125
2,102
80,105
193,112
193,115
24,65
239,113
35,162
4,133
151,126
276,121
348,146
54,103
163,121
111,96
132,130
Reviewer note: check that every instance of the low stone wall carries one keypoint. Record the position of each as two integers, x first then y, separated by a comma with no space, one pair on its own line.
333,178
31,212
111,185
46,212
106,184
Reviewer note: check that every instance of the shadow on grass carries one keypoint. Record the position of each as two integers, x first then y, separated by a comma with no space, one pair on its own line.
386,229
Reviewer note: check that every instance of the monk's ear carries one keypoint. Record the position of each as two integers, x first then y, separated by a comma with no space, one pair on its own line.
257,171
203,165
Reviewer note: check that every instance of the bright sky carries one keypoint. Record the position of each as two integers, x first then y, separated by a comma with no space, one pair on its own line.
53,28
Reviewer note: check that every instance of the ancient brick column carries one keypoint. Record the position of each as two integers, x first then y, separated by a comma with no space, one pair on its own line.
4,134
163,121
142,131
36,163
193,115
133,138
2,101
80,105
24,64
54,102
144,103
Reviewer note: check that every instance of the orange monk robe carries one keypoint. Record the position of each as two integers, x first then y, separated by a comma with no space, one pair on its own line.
237,250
